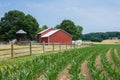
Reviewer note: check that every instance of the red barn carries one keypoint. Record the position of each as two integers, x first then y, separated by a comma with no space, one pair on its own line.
54,36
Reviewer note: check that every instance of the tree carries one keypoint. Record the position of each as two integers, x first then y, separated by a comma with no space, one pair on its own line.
15,20
71,28
100,35
79,32
57,26
95,39
44,27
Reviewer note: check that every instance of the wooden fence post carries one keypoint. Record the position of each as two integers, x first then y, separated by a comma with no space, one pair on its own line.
30,48
60,46
43,47
66,45
12,51
74,46
71,45
52,46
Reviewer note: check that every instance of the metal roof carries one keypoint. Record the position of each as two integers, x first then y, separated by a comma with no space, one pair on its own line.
20,32
43,31
50,33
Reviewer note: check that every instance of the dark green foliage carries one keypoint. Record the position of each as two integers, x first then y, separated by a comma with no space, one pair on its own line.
42,28
95,39
15,20
71,28
101,36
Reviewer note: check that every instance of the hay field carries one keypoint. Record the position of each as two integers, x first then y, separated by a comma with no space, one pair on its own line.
111,42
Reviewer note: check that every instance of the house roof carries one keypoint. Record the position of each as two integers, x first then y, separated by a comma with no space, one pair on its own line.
20,32
50,33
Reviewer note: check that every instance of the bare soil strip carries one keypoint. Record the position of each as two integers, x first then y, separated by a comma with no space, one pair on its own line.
42,77
64,75
85,70
109,58
99,65
98,62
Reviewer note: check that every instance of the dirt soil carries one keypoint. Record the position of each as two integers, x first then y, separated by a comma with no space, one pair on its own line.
85,71
98,62
109,58
64,75
42,77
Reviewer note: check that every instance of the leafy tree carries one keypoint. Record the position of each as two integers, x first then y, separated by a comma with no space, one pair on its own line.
15,20
44,27
79,32
101,35
39,29
57,26
70,27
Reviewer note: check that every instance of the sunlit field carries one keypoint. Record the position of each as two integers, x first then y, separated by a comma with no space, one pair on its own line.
97,62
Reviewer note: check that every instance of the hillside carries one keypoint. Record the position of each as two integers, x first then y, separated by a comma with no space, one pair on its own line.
100,36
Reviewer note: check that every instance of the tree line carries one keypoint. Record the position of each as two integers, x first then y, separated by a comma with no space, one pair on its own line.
14,20
99,36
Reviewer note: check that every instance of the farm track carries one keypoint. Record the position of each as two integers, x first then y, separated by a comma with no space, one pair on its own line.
85,70
98,62
109,58
64,75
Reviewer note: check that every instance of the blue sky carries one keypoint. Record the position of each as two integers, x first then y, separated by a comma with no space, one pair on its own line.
92,15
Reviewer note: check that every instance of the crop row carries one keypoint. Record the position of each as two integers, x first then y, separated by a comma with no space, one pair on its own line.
51,65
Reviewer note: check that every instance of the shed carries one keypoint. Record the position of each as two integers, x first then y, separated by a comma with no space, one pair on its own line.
21,35
52,35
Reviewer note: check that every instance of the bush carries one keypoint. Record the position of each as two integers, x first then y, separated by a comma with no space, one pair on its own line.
96,39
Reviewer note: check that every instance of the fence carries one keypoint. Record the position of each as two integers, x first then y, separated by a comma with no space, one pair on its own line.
13,51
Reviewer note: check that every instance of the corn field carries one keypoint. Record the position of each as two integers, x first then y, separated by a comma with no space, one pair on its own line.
98,62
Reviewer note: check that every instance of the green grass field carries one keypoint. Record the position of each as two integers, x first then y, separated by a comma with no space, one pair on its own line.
98,62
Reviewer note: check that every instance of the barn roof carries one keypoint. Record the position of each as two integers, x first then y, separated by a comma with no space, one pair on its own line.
50,33
20,32
43,31
53,32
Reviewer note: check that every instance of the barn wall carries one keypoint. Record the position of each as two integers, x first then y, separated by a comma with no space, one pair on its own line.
60,37
39,39
45,40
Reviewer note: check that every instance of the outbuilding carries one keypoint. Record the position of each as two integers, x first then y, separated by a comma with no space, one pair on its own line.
52,35
21,35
